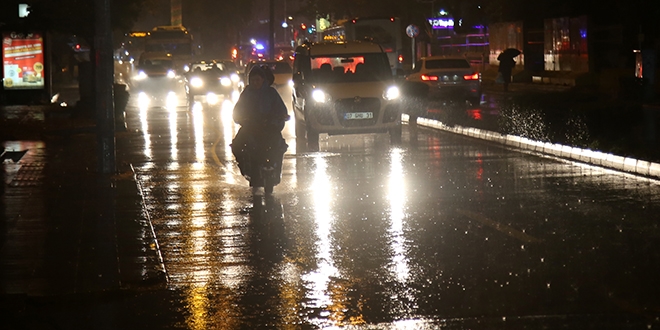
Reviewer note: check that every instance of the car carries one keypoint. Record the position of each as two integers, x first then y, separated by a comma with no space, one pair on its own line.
155,72
447,78
282,73
236,74
344,88
208,79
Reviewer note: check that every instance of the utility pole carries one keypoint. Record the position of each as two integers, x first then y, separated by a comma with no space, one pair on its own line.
104,81
271,31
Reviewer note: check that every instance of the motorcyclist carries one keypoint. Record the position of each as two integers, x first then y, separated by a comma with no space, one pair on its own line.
261,113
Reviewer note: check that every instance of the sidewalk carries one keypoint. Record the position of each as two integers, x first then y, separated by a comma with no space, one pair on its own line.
66,228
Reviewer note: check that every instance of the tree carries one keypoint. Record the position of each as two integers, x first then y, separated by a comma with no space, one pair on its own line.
77,16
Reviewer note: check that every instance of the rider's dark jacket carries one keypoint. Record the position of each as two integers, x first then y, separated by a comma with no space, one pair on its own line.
260,106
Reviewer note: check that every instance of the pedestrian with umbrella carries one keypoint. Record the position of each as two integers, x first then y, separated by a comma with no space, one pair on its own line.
506,65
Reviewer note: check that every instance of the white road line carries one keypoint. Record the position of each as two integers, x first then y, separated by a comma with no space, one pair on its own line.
499,226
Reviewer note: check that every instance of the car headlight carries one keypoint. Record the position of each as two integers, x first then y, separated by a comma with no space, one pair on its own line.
392,93
141,75
320,96
224,81
235,78
171,74
290,83
186,68
196,82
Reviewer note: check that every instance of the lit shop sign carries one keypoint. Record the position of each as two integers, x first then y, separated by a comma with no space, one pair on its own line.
23,60
441,23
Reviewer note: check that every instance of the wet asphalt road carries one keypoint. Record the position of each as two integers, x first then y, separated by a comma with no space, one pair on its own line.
441,230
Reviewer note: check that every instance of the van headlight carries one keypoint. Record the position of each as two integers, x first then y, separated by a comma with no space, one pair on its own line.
171,74
196,82
392,93
224,81
320,96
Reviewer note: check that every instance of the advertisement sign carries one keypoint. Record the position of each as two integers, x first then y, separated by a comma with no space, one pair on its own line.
23,61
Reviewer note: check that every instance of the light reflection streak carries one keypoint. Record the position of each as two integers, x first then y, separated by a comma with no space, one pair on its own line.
197,244
198,303
318,293
397,199
171,107
198,125
228,128
143,104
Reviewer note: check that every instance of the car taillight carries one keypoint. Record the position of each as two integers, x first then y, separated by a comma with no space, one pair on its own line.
427,77
474,76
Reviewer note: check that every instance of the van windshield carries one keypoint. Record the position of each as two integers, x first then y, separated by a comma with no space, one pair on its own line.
350,68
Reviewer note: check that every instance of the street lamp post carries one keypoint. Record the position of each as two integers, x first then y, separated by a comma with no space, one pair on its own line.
271,31
104,99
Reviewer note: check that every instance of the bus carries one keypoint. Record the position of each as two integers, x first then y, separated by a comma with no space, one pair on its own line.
173,40
387,32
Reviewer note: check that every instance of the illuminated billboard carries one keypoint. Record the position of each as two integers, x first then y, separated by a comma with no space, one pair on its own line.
441,23
23,60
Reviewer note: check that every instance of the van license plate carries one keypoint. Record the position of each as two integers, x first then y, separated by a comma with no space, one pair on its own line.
358,115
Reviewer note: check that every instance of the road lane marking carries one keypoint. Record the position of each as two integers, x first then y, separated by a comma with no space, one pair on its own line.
216,159
499,226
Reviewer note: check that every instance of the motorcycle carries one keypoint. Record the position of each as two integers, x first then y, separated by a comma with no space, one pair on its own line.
259,153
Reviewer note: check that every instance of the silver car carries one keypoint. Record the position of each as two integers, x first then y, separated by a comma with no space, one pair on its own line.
448,78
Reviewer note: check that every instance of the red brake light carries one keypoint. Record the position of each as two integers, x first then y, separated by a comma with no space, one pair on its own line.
400,58
426,77
474,76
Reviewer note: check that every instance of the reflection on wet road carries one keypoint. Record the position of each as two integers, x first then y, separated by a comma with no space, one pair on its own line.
436,229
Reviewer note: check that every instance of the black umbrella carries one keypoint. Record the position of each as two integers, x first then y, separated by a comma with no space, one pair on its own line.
510,53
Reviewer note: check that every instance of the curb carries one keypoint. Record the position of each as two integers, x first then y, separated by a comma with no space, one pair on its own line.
140,259
588,156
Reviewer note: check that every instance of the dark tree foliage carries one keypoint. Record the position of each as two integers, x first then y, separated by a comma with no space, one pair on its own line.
217,22
78,16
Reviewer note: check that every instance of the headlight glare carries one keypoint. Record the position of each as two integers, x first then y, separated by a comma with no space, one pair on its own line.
171,74
392,93
196,82
320,96
141,75
224,81
211,98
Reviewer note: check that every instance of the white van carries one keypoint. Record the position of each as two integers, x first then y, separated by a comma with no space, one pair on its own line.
344,88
